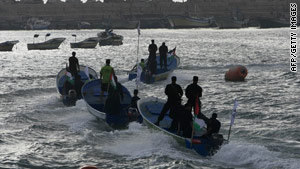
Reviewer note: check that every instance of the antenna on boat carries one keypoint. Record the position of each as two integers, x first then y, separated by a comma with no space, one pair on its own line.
232,117
48,34
35,36
137,57
74,37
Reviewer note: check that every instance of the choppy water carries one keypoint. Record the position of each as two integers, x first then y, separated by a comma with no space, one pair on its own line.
37,131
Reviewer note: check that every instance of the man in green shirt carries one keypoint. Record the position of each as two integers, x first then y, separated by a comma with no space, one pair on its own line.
142,64
105,73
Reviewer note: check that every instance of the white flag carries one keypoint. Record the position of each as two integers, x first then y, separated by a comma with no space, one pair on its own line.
234,112
138,74
86,71
139,28
68,74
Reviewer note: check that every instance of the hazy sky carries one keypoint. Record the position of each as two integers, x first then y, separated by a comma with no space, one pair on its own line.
102,0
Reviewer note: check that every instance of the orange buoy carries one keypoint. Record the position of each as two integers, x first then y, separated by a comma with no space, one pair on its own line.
89,167
236,73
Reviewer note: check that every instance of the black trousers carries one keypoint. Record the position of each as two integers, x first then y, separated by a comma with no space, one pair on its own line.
163,61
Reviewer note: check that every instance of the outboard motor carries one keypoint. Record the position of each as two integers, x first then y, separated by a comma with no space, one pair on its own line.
72,97
217,141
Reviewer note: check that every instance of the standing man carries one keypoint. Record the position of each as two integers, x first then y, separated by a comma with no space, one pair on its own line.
174,93
152,57
163,50
74,65
115,116
192,92
105,73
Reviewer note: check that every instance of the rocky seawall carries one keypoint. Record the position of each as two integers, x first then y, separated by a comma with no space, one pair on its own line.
15,15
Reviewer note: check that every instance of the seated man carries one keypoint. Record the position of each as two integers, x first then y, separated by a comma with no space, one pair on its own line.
133,113
213,125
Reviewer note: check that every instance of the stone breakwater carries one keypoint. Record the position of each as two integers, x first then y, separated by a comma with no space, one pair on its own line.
125,14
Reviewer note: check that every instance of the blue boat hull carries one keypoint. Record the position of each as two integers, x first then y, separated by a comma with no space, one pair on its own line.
91,93
162,74
61,79
150,109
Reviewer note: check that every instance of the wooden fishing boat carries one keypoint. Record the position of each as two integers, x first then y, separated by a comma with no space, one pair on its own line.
173,62
8,45
150,108
87,43
49,44
95,102
180,21
86,73
109,38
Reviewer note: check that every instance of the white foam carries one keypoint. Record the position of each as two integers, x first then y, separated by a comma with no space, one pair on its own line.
138,142
250,155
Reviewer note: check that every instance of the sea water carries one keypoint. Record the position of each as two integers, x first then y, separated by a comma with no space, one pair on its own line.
38,131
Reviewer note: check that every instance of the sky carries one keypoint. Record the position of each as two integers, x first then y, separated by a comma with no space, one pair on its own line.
102,0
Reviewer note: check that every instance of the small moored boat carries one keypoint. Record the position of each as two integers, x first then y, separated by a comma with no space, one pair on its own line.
87,43
109,38
8,45
65,89
95,102
180,21
49,44
150,108
173,62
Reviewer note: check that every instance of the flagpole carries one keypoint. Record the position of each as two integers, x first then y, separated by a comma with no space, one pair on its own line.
229,133
137,55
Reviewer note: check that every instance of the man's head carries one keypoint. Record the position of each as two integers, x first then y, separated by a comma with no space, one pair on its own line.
142,60
135,92
173,79
195,79
73,53
214,115
152,41
163,43
107,61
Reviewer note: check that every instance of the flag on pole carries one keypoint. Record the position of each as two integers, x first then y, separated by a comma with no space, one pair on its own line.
197,106
69,77
233,113
139,28
198,124
138,74
113,82
86,71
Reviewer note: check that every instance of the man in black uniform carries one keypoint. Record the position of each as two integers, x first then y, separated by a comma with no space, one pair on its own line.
73,65
163,50
185,120
192,92
152,57
174,93
213,125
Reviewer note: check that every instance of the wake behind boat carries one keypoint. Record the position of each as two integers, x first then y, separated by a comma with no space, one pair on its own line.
173,62
150,108
66,86
96,102
8,45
